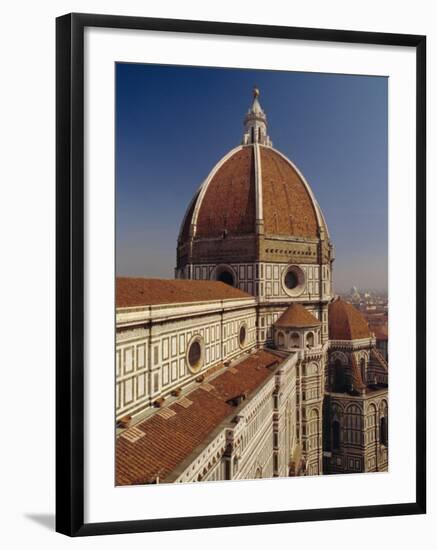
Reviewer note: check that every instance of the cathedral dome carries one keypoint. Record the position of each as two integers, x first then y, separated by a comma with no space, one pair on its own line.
253,189
346,322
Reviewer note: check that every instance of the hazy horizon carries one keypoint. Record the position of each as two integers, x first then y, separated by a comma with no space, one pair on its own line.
173,124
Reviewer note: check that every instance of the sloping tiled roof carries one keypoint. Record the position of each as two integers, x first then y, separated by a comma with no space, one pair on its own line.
133,291
297,316
346,322
170,440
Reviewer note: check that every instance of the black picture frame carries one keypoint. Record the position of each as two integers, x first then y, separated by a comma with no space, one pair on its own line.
70,273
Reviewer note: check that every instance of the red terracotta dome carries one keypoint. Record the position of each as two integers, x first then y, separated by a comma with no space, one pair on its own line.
253,189
228,203
346,322
288,205
252,184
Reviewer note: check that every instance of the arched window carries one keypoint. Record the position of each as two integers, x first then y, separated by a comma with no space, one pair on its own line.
372,423
339,376
281,339
363,369
353,425
295,340
310,339
313,429
335,435
383,432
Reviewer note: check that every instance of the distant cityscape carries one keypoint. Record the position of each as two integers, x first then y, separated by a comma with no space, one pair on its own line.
373,304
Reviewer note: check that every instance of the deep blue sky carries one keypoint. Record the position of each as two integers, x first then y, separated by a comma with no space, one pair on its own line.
174,123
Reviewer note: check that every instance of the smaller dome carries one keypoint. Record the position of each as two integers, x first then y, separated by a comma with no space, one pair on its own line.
296,316
346,322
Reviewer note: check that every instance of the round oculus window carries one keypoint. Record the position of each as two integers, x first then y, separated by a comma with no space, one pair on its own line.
195,354
242,335
293,280
225,274
226,277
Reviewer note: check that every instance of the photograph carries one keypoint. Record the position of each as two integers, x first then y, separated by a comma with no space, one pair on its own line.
218,216
251,292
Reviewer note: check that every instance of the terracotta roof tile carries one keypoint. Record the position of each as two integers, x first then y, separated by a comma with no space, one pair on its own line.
168,441
297,316
132,291
287,206
346,322
229,201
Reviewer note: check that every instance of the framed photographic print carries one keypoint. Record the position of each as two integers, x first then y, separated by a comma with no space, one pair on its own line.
240,274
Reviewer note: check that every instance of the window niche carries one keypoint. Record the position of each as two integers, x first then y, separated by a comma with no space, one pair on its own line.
242,335
195,354
293,280
383,431
295,340
225,274
335,435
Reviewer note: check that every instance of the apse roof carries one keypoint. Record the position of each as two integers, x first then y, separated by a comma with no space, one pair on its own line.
346,322
296,316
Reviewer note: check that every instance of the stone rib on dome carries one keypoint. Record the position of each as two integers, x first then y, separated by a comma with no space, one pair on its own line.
185,230
229,200
346,322
296,316
287,205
